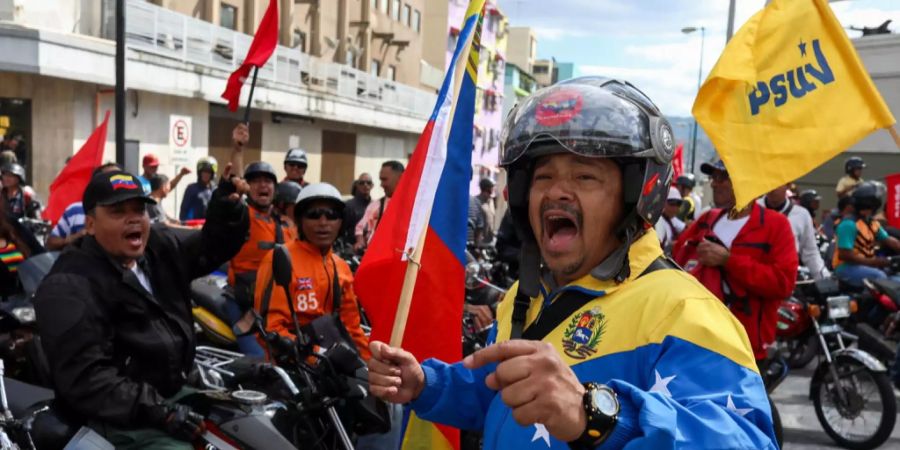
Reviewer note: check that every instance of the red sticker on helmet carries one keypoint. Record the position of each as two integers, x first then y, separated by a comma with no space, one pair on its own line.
559,107
651,183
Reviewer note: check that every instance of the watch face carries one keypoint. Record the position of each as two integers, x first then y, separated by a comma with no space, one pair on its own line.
604,401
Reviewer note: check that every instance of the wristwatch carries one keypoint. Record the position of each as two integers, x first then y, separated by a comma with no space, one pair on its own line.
601,407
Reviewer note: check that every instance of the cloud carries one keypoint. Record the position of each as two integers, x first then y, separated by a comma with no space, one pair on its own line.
640,41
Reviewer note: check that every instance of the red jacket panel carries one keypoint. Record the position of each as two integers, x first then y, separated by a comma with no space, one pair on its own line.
761,270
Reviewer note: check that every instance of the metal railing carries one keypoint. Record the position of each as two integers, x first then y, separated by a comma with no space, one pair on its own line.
159,31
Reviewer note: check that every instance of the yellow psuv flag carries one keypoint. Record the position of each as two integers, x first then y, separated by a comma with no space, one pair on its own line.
787,94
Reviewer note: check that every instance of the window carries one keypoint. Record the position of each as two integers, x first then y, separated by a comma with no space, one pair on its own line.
374,4
375,69
541,70
395,10
404,18
228,16
299,41
350,59
391,73
384,5
417,21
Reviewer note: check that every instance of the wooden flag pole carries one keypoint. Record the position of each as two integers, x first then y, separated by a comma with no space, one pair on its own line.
250,97
406,292
894,135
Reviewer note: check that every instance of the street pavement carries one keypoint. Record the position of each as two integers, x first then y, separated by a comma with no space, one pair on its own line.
802,430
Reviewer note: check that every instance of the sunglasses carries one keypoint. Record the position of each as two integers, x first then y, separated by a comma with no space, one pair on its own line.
295,165
366,182
674,202
315,214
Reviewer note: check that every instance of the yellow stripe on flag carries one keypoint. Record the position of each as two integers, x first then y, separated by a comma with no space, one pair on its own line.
787,94
422,435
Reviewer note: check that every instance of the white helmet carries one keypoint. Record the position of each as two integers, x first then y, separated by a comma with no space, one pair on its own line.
318,191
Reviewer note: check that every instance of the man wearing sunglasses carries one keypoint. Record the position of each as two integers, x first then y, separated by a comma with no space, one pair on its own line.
295,163
317,271
746,257
355,208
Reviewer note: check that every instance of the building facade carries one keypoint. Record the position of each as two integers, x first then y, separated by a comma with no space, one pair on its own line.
442,21
320,92
522,48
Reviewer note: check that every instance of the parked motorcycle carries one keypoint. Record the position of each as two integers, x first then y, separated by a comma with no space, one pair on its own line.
850,388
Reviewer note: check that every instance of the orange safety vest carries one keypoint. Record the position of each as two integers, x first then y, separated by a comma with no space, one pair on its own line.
865,241
262,230
312,293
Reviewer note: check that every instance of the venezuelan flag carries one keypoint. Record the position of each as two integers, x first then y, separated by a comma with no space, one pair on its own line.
427,215
122,182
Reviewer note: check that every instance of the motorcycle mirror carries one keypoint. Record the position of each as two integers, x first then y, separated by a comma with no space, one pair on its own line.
281,266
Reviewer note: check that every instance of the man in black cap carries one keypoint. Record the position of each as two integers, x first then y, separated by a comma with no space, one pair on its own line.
115,317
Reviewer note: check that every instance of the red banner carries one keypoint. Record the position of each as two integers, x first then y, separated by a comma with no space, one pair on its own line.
892,207
678,162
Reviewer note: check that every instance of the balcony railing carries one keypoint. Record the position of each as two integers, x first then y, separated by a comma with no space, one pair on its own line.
152,29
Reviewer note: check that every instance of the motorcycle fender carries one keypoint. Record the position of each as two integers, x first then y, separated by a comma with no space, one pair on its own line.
213,326
854,354
256,431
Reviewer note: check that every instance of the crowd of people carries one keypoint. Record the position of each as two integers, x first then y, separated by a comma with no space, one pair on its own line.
585,348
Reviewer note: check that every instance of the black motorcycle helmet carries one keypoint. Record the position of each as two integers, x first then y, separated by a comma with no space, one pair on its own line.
260,169
866,196
809,196
596,117
17,170
687,180
853,163
286,192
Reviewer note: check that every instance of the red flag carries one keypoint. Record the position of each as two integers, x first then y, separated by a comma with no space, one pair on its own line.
261,49
678,162
69,185
892,208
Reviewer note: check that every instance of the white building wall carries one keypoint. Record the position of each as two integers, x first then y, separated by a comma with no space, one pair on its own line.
278,138
374,150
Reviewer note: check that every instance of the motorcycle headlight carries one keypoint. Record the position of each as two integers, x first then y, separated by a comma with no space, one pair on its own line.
839,307
24,314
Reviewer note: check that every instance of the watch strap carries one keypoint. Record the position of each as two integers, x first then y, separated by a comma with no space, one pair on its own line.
599,425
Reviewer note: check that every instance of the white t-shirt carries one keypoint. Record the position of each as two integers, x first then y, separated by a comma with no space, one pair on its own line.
727,229
142,277
666,233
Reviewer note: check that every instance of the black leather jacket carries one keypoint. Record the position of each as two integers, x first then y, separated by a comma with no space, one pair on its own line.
115,349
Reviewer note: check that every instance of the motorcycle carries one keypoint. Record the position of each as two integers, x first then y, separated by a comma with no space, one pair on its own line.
845,378
878,320
20,346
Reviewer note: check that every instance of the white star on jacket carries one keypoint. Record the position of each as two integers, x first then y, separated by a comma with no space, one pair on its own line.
662,384
741,411
541,432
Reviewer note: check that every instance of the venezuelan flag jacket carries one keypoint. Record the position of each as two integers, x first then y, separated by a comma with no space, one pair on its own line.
680,363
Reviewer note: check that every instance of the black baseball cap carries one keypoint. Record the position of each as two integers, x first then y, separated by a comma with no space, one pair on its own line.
109,188
709,168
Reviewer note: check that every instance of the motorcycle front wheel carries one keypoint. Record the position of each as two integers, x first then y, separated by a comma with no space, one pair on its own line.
865,417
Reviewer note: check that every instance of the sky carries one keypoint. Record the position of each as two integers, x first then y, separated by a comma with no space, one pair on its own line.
641,40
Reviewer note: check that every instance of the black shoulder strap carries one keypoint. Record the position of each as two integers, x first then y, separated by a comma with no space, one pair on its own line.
380,211
572,300
264,305
336,297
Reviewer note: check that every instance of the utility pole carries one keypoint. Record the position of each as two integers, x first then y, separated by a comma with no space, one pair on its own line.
730,31
120,82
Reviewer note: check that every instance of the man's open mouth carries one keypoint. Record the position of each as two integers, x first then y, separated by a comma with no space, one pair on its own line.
134,238
560,229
